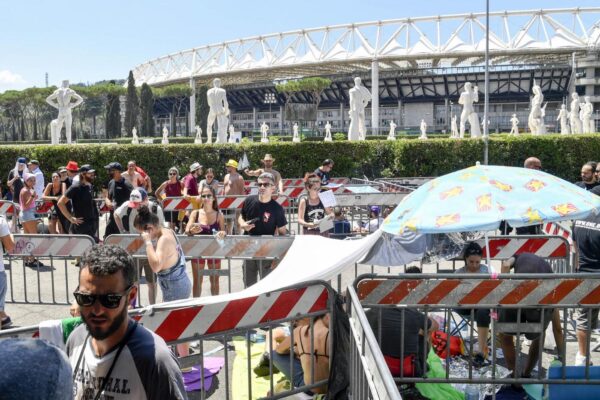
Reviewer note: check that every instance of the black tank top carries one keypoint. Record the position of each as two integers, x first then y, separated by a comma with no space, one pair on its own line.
312,213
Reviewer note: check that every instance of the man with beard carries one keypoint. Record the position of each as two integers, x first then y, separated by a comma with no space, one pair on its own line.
588,177
111,355
119,190
84,216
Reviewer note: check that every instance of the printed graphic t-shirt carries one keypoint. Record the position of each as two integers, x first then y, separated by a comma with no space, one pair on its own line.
145,369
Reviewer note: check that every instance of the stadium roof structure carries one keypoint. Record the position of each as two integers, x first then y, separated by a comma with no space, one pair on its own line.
516,37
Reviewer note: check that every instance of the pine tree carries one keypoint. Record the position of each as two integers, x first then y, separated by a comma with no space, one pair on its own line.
146,108
132,108
202,108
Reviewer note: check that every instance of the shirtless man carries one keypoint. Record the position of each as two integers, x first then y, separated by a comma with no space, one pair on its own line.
132,176
268,167
233,185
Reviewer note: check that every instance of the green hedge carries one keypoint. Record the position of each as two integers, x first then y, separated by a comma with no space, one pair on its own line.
560,155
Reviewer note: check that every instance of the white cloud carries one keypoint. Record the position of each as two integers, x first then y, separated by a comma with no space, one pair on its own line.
10,80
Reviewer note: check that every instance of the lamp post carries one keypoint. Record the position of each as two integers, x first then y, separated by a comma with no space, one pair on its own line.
270,99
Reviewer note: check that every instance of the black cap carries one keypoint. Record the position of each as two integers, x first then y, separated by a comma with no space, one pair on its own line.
327,162
86,168
114,165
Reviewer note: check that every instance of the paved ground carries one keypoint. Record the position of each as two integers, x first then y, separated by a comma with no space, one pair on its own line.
60,278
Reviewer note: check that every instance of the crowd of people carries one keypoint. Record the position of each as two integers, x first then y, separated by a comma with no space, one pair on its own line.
111,345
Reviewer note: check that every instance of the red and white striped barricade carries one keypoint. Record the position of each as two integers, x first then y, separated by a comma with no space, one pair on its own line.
11,210
224,202
53,250
43,206
557,229
404,185
510,294
555,249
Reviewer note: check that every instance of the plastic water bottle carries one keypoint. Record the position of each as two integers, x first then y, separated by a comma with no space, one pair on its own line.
472,392
220,241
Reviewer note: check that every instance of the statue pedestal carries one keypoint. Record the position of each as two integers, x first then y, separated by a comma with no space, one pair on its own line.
197,141
263,140
391,138
327,139
295,140
135,141
164,141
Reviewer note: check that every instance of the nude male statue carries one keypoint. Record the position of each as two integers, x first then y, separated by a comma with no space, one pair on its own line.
359,98
61,99
468,114
219,110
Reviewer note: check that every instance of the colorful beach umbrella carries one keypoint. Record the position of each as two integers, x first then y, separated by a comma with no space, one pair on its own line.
480,197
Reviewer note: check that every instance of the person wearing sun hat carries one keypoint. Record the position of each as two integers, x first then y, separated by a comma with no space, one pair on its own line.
267,161
34,168
190,184
73,174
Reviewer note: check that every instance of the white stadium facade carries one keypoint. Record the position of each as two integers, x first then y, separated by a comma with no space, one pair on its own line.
417,66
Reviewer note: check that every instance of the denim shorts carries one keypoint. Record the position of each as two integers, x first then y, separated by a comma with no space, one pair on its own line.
27,215
174,283
2,289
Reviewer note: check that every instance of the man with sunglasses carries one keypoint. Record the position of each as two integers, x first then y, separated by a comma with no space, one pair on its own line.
84,214
261,215
111,355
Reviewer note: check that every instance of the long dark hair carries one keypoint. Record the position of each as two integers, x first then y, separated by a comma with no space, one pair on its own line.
215,203
145,217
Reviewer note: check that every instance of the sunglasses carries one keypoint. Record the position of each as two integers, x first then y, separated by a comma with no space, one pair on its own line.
172,173
264,184
110,300
207,196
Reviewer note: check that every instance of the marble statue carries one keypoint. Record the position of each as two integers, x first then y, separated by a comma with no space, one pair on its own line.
62,99
392,132
328,137
296,136
468,114
219,110
264,131
359,98
423,130
198,138
165,135
574,120
543,125
535,120
587,120
563,117
134,136
514,125
453,128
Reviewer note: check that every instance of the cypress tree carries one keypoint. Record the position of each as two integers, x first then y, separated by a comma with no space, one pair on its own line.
146,107
132,108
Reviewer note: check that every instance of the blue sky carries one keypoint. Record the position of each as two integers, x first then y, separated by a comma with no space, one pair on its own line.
88,41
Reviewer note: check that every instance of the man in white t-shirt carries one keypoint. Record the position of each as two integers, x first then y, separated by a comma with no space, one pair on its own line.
128,211
112,356
8,244
34,168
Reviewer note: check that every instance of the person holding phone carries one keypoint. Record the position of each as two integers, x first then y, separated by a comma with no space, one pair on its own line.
261,215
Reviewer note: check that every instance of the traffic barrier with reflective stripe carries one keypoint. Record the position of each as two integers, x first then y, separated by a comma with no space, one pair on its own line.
548,247
51,283
462,290
557,229
210,319
206,246
368,199
51,245
225,202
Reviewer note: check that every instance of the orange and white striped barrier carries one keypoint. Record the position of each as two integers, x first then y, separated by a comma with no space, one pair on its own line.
8,207
51,245
458,290
503,247
224,202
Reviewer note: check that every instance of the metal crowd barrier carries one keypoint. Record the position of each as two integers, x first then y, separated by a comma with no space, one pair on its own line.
239,321
267,249
370,377
429,293
42,285
355,208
